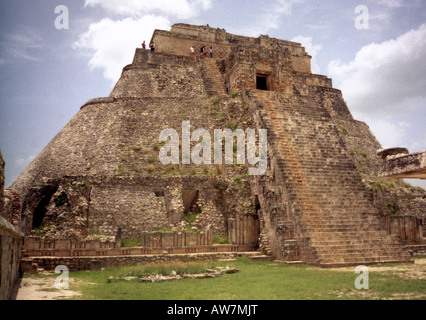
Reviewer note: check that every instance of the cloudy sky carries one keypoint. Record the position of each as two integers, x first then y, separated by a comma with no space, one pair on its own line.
50,65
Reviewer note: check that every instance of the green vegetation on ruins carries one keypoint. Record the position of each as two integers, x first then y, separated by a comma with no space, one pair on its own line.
224,112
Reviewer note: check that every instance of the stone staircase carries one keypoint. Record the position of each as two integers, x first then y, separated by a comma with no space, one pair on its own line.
334,209
212,77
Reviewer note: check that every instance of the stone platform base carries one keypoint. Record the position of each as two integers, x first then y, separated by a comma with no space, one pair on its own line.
30,264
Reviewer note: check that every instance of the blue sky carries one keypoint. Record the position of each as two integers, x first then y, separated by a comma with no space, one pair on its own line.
46,74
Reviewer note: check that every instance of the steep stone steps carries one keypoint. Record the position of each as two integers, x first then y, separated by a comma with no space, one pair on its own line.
334,209
212,77
349,242
363,257
357,262
355,247
262,257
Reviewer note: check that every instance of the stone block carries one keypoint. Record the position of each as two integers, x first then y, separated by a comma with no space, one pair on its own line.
28,266
95,265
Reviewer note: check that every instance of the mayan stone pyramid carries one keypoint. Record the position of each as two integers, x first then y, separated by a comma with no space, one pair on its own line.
102,171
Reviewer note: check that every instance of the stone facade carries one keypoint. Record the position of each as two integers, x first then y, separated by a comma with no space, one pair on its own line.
87,263
404,165
102,172
2,165
11,239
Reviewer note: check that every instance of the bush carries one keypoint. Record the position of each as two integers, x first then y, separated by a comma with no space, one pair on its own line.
219,240
135,168
233,125
214,100
127,243
150,168
190,218
94,231
60,200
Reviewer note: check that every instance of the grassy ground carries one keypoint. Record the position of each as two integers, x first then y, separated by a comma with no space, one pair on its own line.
256,280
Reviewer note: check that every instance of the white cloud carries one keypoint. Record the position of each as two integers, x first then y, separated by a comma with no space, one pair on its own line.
274,12
311,49
385,87
387,77
23,44
22,163
112,43
389,133
392,3
183,9
269,17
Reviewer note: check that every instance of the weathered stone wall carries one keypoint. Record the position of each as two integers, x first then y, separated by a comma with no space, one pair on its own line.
172,42
176,239
181,37
143,204
405,166
130,207
34,246
10,255
154,75
85,263
405,228
2,165
99,206
10,244
391,196
117,142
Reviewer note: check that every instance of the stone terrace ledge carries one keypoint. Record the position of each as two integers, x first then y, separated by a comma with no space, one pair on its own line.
30,264
403,165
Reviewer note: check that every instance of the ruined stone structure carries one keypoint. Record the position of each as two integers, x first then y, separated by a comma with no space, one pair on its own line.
11,238
102,171
398,163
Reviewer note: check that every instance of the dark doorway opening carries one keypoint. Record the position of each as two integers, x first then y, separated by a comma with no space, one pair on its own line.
190,201
257,204
39,212
261,82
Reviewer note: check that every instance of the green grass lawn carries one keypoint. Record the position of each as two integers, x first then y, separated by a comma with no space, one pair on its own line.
255,281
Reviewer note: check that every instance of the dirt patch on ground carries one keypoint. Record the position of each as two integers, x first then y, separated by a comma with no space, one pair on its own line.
415,271
41,289
366,294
